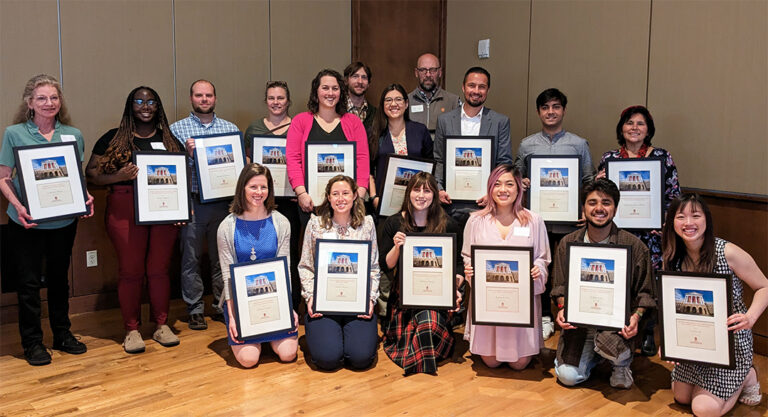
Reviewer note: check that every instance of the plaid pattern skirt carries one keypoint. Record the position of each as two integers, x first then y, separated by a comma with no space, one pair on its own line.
416,340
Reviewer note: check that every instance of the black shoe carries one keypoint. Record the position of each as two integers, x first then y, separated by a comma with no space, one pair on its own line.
70,344
649,345
218,317
197,322
37,355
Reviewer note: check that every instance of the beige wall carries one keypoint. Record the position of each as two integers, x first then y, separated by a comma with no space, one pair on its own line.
699,66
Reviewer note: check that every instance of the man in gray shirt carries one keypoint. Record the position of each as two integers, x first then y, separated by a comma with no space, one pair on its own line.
428,100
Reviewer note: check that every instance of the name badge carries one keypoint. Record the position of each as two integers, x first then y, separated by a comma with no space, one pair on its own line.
417,108
158,146
521,231
68,138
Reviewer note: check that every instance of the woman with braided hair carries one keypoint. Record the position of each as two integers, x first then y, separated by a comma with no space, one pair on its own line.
141,250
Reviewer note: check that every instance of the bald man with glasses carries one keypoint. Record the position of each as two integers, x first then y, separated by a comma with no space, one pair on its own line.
428,100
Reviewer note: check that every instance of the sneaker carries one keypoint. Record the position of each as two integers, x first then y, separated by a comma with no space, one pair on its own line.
621,377
164,335
547,327
197,322
37,355
133,342
70,344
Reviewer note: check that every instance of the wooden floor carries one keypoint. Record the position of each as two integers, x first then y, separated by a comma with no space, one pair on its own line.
201,378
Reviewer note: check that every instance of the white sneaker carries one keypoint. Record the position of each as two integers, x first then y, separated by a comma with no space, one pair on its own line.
547,327
621,377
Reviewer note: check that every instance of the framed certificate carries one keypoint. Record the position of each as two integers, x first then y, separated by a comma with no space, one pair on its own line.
52,186
502,288
641,184
468,164
325,160
261,298
693,310
427,271
555,185
597,285
270,151
342,277
161,188
399,171
220,159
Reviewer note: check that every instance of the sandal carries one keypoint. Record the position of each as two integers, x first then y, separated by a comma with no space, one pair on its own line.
751,395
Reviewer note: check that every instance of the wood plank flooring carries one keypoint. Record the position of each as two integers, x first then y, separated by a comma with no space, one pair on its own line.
201,378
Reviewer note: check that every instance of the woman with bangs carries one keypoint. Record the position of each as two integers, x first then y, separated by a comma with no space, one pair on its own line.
415,339
504,222
689,244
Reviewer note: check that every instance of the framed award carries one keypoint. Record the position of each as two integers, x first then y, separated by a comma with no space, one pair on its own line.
468,164
161,188
641,188
399,171
342,277
269,151
428,271
220,159
555,185
502,288
325,160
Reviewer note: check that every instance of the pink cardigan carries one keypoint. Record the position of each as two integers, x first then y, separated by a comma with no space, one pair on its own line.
297,136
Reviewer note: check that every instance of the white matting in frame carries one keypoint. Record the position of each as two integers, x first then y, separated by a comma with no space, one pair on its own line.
554,191
468,164
399,171
641,184
502,288
269,151
427,271
693,310
597,286
161,188
342,277
220,159
325,160
51,182
261,292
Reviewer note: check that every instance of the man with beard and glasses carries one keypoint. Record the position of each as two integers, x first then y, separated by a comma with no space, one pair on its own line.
579,350
205,217
428,100
358,78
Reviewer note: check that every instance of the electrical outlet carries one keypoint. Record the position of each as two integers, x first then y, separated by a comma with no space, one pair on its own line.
91,258
484,48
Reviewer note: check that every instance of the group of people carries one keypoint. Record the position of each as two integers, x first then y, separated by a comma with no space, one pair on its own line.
257,225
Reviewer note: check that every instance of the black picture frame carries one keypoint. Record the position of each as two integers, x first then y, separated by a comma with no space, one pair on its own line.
204,194
656,221
491,161
389,183
307,164
340,307
572,216
447,269
257,141
183,215
479,316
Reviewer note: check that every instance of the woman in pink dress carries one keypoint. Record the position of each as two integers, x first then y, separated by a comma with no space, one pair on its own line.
504,222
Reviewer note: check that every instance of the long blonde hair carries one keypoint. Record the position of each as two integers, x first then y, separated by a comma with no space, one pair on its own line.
325,211
24,113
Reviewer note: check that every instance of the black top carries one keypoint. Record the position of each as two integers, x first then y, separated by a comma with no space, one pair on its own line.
318,134
143,144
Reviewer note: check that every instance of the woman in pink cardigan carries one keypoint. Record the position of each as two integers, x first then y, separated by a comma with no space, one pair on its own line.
326,120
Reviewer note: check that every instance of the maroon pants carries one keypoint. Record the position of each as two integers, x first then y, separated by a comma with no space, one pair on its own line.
141,251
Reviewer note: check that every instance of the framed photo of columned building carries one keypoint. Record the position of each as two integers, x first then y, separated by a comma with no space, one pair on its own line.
641,188
428,271
342,277
161,188
468,164
597,285
399,171
325,160
502,288
261,296
220,159
270,152
555,185
50,180
693,312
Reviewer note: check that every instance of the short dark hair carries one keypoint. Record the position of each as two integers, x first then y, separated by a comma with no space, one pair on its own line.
239,203
202,81
313,105
354,67
551,94
477,70
626,115
603,186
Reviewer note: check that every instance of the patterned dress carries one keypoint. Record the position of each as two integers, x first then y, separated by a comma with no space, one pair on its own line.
722,382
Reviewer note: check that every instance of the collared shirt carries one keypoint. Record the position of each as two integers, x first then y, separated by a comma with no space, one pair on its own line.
192,127
361,112
561,143
470,126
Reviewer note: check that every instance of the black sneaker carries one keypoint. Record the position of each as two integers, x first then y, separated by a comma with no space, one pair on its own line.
197,322
70,344
37,355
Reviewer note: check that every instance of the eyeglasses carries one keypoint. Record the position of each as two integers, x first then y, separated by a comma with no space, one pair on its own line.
423,71
140,102
44,99
396,100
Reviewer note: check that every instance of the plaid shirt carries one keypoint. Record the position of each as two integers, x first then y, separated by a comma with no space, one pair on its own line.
192,127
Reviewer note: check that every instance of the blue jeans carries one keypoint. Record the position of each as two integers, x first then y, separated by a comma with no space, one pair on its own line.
573,375
333,339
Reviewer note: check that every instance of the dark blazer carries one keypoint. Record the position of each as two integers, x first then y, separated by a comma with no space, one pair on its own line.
419,143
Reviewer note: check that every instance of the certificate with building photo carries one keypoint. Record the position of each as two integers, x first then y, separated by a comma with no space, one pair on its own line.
342,277
261,296
325,160
693,310
597,286
555,184
399,171
502,288
52,186
428,271
220,158
468,164
270,152
161,188
641,184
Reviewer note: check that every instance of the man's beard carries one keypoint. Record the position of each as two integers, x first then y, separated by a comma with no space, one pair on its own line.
201,111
